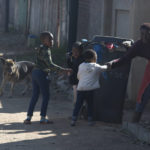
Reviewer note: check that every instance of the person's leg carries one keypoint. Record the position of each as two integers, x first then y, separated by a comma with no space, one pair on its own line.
35,96
44,87
141,105
74,94
45,95
89,100
79,102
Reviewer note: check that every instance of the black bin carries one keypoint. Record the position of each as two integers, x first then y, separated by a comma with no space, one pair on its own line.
109,99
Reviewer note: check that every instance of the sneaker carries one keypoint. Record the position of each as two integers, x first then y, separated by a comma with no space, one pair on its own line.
73,123
45,121
27,121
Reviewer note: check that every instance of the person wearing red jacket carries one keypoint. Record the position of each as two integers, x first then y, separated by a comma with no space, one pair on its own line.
140,48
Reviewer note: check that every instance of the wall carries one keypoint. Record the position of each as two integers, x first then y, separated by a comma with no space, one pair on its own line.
107,19
2,15
83,19
94,18
43,15
123,5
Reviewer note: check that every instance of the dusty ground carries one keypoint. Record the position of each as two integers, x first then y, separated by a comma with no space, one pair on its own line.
14,135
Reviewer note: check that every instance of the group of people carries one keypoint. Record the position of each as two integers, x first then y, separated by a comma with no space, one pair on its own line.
84,72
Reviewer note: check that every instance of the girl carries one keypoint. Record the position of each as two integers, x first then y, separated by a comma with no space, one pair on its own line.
73,62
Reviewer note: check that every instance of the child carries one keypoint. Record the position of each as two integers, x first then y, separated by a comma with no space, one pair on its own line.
88,76
73,62
40,82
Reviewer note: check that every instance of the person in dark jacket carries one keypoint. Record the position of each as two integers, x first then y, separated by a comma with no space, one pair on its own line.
73,62
140,48
40,80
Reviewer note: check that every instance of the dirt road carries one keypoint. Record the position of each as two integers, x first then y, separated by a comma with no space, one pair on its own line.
14,135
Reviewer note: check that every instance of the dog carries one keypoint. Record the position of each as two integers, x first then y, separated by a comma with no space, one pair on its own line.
14,72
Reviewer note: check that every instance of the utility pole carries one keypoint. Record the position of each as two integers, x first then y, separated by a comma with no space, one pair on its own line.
6,15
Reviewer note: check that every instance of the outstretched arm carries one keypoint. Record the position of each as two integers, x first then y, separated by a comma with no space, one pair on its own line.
52,66
132,52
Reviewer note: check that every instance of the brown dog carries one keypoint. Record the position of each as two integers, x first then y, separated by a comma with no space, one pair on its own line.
14,72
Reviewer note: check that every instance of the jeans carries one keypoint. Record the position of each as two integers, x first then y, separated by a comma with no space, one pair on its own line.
39,83
81,96
145,97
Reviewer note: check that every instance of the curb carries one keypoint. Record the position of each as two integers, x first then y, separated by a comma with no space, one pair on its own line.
137,130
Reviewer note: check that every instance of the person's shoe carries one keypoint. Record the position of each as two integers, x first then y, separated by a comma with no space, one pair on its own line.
73,123
136,117
27,121
45,121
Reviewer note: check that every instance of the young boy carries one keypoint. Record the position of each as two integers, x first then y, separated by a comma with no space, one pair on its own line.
88,76
40,82
73,62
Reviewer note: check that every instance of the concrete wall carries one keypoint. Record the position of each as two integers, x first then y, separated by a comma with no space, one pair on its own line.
12,6
94,18
2,15
107,17
83,19
124,5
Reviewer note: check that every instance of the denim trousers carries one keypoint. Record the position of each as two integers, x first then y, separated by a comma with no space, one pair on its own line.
145,97
39,84
81,96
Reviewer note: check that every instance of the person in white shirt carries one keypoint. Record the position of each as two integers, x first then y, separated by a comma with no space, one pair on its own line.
88,75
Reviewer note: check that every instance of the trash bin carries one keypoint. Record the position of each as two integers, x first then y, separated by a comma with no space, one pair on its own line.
109,99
